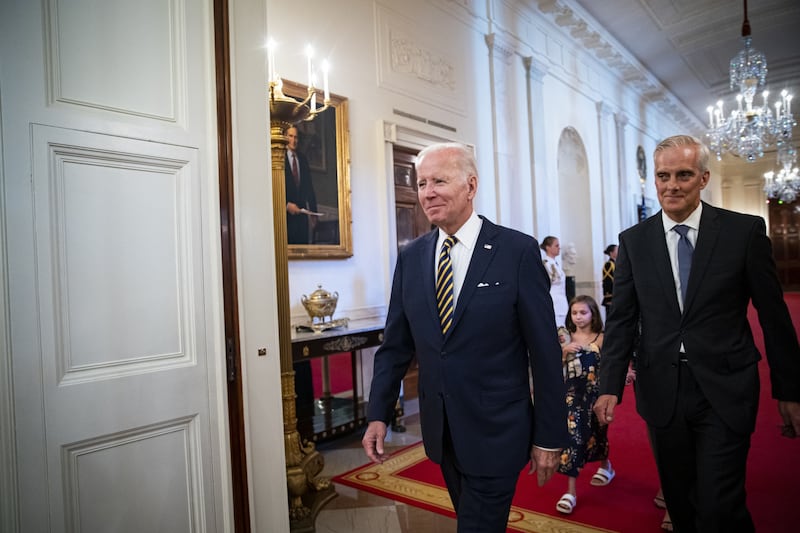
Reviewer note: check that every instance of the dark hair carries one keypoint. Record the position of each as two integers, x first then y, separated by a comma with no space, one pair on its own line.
547,242
610,248
597,322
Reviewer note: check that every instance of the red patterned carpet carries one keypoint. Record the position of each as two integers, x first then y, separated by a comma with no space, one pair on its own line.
626,505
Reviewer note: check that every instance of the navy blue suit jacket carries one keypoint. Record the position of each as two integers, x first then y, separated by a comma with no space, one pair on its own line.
732,265
478,372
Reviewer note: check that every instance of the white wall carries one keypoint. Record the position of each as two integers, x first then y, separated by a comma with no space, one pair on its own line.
484,100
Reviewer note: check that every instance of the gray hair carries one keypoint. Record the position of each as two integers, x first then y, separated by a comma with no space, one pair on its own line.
676,141
464,158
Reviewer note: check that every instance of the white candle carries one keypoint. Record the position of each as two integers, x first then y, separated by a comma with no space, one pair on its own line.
325,67
710,110
789,104
314,94
739,101
765,94
309,55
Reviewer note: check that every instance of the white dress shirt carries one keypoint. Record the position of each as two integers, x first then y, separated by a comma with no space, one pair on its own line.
693,221
461,252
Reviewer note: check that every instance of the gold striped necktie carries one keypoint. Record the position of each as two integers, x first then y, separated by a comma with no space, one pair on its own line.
444,284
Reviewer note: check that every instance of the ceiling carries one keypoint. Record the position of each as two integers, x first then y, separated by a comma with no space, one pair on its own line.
688,44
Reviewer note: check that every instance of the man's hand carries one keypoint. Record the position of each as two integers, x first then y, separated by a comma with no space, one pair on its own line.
544,463
292,208
373,441
604,408
790,414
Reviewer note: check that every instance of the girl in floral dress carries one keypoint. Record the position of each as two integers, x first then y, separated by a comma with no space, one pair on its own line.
588,440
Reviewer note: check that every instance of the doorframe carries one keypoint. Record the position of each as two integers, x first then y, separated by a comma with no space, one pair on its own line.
395,134
230,296
9,496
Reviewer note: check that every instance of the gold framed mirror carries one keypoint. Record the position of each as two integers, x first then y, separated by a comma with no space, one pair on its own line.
318,215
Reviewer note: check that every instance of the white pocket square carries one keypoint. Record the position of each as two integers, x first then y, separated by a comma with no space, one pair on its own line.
482,284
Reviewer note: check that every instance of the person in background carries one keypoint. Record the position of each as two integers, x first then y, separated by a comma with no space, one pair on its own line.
301,202
687,275
551,249
588,440
608,276
475,345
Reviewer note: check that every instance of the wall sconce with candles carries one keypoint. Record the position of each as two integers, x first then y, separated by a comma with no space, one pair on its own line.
307,492
286,109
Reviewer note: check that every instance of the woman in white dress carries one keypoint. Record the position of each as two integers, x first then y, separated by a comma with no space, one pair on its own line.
551,248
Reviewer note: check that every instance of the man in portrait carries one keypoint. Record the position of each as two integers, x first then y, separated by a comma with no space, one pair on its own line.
301,202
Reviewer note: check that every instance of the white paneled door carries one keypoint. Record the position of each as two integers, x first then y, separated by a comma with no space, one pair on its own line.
114,359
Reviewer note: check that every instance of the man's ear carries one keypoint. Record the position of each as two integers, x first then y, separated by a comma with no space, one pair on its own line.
472,183
704,179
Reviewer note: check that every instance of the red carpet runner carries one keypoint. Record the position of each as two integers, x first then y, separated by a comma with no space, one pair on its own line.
626,505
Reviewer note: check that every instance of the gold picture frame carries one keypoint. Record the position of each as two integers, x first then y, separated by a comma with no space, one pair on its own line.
325,141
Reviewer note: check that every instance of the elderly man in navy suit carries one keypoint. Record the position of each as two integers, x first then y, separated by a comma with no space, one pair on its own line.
471,299
687,276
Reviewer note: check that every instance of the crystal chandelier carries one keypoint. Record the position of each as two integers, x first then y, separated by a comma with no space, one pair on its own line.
750,128
785,184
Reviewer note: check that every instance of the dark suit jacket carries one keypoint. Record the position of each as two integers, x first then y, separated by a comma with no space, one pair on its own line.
732,265
302,195
478,372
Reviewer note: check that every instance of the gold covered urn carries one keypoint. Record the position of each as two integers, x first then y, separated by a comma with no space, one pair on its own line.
320,304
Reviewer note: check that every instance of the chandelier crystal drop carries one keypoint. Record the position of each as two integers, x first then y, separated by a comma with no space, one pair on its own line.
750,128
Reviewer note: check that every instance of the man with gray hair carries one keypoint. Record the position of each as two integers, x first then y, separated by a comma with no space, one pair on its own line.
687,275
471,300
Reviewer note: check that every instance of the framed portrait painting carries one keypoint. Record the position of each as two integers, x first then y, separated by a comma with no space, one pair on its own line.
324,153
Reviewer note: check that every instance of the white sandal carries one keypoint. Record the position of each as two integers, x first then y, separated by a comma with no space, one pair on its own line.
603,477
566,504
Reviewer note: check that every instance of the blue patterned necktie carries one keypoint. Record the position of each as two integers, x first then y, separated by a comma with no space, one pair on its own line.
685,251
444,284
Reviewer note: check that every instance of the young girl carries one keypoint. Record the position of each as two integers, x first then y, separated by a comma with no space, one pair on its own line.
588,440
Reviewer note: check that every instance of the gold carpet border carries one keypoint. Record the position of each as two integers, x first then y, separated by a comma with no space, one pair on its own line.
384,478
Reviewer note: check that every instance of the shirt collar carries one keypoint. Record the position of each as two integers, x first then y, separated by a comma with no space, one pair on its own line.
467,234
693,220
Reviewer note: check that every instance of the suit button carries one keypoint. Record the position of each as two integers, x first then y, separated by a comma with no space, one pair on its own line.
444,355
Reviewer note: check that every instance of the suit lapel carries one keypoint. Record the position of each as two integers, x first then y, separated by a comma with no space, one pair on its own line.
427,265
482,255
707,236
661,260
